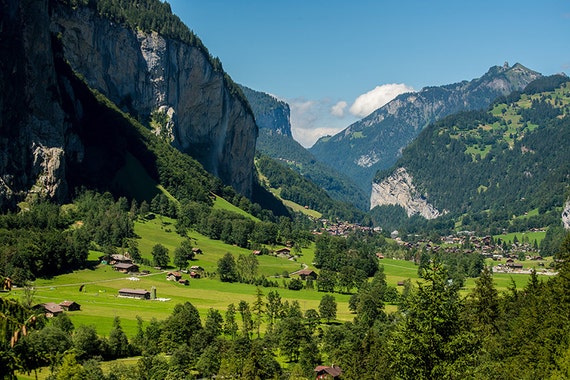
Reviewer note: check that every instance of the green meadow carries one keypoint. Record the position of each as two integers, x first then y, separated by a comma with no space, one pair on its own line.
100,303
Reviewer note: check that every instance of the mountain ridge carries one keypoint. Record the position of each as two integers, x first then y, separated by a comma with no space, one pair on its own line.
375,142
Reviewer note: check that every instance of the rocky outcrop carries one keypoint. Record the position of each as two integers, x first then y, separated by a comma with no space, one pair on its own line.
145,73
398,189
566,215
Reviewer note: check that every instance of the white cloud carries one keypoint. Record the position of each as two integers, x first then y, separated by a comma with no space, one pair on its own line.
312,119
376,98
338,109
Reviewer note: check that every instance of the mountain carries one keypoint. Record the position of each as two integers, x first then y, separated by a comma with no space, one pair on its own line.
167,81
276,141
271,114
375,142
509,166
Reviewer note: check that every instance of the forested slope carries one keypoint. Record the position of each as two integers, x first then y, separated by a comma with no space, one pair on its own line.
499,163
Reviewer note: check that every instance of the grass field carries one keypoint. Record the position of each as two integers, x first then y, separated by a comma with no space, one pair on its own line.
100,303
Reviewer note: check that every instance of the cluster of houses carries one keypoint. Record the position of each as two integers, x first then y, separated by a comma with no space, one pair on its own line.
468,242
52,309
342,228
121,263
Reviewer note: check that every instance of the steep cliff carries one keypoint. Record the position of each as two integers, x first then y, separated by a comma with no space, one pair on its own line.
375,142
35,137
55,134
149,76
398,189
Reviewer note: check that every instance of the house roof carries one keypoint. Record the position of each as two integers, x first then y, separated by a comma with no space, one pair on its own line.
124,266
306,272
119,257
133,291
333,370
52,307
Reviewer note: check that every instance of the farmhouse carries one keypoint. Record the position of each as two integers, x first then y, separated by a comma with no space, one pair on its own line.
134,293
118,258
194,274
126,268
52,309
283,252
173,276
196,251
324,372
70,305
304,273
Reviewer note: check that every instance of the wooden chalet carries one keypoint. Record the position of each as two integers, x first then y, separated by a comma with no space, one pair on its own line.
70,305
126,267
173,276
283,252
194,274
134,293
325,372
118,258
304,273
52,309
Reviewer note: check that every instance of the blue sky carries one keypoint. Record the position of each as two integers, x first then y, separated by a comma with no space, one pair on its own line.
335,61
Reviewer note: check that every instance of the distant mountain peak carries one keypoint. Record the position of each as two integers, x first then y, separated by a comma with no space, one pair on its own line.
388,130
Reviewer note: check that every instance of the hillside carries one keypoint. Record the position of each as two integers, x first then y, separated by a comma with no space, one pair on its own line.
489,165
375,142
293,187
275,140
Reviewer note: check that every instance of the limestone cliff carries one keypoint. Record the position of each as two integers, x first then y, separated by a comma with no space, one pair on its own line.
398,189
145,73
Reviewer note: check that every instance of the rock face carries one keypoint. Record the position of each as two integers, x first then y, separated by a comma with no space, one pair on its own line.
566,215
398,189
35,137
375,142
147,73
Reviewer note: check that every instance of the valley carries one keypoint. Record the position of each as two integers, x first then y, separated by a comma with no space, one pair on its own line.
159,221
